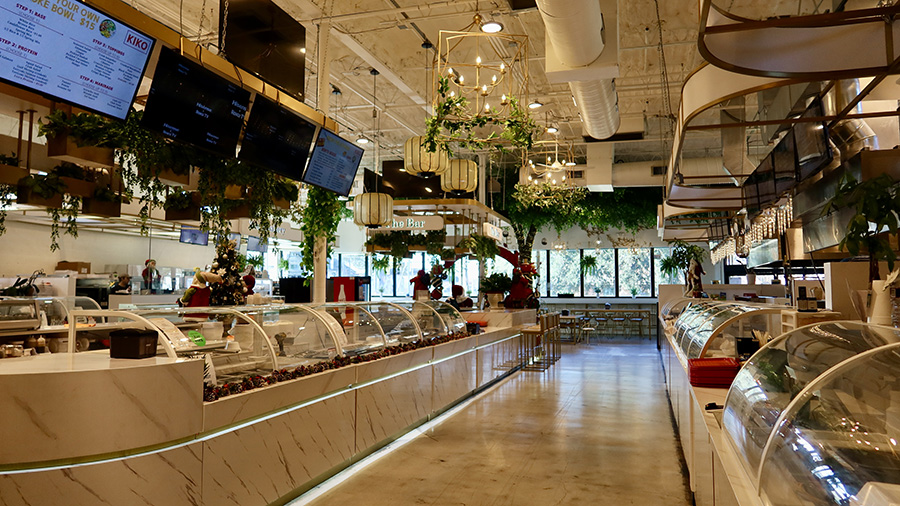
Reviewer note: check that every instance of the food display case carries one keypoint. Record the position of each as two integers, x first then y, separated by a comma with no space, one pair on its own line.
714,329
435,318
673,308
814,416
48,317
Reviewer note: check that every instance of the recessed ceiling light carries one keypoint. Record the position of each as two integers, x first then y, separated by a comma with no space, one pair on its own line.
303,50
535,105
428,189
491,27
552,129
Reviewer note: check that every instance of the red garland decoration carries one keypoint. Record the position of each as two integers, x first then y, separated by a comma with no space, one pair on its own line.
211,393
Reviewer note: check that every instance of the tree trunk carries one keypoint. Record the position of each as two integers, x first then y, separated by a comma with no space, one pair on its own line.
524,241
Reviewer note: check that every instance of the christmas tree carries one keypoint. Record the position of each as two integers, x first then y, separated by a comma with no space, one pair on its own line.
232,291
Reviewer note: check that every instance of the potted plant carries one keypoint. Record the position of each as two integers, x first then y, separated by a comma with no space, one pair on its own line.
104,202
875,201
669,266
284,193
634,292
41,190
10,172
495,286
381,263
683,253
182,206
83,138
589,265
78,182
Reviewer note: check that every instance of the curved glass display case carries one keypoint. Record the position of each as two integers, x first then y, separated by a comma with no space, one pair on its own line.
814,416
672,309
361,331
434,318
713,328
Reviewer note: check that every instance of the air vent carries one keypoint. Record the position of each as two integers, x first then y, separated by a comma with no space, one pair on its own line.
658,170
518,5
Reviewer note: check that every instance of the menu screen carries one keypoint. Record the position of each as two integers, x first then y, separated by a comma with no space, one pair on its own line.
68,51
192,104
333,163
277,139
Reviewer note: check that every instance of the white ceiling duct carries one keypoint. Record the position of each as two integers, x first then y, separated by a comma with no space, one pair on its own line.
574,31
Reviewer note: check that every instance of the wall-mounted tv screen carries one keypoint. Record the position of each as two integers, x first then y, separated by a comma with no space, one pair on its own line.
277,139
192,104
194,236
333,163
254,244
784,164
70,52
813,150
262,38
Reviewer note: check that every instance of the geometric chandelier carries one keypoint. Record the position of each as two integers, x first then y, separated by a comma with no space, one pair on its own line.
479,82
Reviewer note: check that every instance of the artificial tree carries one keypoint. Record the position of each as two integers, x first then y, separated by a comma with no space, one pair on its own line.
232,291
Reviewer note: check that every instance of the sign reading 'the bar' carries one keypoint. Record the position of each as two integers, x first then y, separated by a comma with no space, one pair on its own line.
414,223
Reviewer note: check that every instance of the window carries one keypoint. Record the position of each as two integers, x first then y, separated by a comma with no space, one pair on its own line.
634,272
540,279
664,279
465,273
353,264
565,272
406,270
382,281
601,282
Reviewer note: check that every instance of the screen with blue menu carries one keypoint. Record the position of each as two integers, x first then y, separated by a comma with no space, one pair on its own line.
277,139
192,104
73,53
194,236
254,244
333,163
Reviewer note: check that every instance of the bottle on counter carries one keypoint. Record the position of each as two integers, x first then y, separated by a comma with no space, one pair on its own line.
802,302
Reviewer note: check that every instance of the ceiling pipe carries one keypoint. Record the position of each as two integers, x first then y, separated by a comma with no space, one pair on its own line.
571,28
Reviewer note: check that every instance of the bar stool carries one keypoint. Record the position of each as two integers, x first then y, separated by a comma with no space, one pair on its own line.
636,324
602,322
618,323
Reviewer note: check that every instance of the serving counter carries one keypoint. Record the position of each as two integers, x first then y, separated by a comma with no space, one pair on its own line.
306,391
812,418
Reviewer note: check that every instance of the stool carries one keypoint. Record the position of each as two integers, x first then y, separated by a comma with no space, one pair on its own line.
636,323
618,323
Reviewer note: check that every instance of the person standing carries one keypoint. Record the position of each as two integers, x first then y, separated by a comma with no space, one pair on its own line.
150,275
122,285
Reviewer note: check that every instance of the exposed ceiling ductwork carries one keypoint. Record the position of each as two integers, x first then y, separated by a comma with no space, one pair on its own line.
575,41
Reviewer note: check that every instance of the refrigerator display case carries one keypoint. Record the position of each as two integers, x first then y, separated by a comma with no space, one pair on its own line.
715,329
434,318
814,416
673,309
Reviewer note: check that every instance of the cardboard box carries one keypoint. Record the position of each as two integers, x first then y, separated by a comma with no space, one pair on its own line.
79,267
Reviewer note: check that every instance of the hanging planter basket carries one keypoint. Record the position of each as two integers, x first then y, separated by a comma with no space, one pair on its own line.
78,187
11,175
168,177
26,195
63,147
238,212
189,213
101,208
235,191
284,204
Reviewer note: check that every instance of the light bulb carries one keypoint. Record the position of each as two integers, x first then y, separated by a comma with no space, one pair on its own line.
502,68
452,93
564,178
554,181
494,79
461,79
529,178
450,71
477,60
487,107
484,89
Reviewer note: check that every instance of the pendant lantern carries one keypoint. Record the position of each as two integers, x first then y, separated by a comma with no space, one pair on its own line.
373,210
419,162
461,177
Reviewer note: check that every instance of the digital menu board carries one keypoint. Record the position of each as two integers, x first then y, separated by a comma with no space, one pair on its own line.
277,139
333,163
68,51
192,104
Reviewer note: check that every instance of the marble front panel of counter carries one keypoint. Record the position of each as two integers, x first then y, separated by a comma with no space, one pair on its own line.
503,317
87,404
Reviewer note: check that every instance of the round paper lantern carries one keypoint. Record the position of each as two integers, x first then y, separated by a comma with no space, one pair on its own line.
461,177
419,162
373,210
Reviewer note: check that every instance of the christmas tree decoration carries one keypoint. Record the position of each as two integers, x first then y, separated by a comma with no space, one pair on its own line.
231,291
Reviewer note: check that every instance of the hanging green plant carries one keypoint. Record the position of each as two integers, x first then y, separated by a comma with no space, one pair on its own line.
482,247
321,217
589,265
497,282
381,263
69,210
451,124
86,129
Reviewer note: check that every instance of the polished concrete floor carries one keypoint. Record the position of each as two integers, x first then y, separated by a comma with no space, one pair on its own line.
593,429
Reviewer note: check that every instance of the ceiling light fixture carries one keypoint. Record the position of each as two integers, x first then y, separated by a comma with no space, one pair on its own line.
362,140
552,129
535,105
491,27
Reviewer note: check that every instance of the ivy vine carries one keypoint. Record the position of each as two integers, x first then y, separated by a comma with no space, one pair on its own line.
321,216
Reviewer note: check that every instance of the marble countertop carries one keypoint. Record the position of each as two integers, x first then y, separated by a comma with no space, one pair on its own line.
85,361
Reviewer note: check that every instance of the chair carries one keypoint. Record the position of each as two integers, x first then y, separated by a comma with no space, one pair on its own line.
618,323
636,324
587,327
602,322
